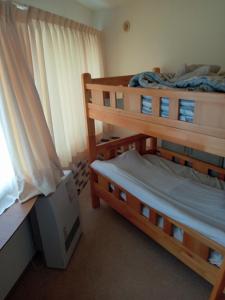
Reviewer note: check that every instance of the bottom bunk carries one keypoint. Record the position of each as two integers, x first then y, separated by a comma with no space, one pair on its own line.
193,233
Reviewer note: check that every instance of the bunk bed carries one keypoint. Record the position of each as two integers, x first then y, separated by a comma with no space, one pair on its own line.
206,132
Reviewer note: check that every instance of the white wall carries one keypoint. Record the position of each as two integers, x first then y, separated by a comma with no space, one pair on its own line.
66,8
164,33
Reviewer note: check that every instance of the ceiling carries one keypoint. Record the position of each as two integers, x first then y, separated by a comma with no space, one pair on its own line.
99,4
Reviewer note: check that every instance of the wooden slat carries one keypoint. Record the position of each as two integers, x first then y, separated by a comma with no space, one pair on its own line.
125,147
91,139
222,177
196,246
113,99
134,203
116,192
132,103
182,162
168,226
112,153
155,106
142,149
200,167
153,145
153,216
173,109
138,146
197,113
106,154
97,97
103,181
90,124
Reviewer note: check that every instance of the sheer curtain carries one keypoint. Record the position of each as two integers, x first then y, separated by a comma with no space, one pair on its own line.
61,51
29,164
8,185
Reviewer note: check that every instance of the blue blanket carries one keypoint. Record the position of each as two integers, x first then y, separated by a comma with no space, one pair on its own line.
208,83
186,108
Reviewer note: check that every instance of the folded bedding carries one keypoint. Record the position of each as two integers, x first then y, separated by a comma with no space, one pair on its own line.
201,79
186,108
183,194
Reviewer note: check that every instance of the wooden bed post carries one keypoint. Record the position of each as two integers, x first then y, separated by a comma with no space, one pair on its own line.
91,138
218,289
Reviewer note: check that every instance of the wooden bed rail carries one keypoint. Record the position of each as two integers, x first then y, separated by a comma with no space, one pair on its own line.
205,133
122,141
146,144
194,249
119,80
196,164
140,142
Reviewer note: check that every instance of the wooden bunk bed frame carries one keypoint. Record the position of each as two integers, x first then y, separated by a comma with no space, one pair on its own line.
206,133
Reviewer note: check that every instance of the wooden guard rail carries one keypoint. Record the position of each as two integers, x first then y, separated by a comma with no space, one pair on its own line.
194,250
139,142
209,107
206,133
147,144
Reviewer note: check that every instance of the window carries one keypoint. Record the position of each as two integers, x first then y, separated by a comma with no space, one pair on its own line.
8,186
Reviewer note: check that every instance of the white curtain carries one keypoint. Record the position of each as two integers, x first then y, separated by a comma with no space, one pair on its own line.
8,185
61,51
29,164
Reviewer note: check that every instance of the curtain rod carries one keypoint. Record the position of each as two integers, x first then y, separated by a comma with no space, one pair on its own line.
38,13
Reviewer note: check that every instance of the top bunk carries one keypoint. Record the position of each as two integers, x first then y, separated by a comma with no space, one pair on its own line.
158,112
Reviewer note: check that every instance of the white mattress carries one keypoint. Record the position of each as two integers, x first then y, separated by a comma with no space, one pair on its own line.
177,191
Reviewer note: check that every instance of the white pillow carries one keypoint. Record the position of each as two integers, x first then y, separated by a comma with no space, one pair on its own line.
199,70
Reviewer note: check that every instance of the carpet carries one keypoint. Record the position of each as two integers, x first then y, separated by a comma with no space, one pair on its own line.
113,261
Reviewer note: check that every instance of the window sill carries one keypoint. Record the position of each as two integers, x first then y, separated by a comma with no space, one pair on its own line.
11,220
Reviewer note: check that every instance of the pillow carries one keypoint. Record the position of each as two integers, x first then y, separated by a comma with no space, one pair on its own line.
202,69
181,71
212,68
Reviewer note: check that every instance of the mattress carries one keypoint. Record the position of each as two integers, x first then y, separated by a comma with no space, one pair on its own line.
185,195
